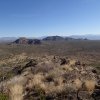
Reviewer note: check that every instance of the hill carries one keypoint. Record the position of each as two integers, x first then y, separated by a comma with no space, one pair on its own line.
60,38
53,38
24,40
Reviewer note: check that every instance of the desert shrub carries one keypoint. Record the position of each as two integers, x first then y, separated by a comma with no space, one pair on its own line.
63,61
69,75
44,68
41,94
3,96
6,76
9,75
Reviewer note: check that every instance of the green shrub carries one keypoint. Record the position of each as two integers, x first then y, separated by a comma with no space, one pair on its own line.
3,96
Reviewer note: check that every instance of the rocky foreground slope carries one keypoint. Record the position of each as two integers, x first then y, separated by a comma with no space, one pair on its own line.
52,78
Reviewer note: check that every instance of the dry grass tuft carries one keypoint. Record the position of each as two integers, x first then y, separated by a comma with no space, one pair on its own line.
16,92
78,83
36,80
72,62
90,85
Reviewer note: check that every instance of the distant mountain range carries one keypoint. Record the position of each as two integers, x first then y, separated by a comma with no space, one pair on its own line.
53,38
7,39
58,38
88,36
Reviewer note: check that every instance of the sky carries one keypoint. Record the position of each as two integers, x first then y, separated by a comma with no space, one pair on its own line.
36,18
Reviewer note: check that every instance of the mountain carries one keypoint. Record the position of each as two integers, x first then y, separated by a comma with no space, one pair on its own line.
24,40
60,38
69,38
53,38
7,39
88,36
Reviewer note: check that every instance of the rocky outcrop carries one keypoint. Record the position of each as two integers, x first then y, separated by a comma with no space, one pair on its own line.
27,41
34,41
21,41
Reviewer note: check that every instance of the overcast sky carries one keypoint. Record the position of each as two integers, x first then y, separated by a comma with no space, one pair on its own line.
35,18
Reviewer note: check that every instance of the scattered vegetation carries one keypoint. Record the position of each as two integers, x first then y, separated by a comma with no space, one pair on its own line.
55,70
